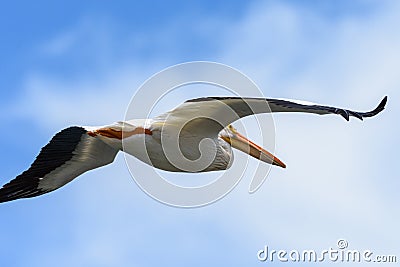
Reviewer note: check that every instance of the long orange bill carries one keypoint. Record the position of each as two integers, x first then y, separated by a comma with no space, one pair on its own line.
240,142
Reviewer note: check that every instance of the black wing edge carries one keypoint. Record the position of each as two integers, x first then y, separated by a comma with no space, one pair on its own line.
58,151
361,115
211,98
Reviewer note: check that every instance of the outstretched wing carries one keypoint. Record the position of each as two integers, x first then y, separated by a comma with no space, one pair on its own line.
286,105
209,115
70,153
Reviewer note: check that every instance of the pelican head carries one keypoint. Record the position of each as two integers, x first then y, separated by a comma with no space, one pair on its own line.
236,140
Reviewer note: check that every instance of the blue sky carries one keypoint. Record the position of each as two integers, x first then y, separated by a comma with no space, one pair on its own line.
79,64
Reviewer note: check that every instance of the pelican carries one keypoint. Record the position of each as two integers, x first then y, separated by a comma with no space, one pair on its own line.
78,149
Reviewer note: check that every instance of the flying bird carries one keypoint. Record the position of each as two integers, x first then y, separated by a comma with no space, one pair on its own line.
78,149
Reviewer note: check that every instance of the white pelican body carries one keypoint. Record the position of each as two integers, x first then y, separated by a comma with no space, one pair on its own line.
149,149
194,137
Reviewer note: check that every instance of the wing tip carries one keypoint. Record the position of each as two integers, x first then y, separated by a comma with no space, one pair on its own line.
378,109
382,105
10,192
361,115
